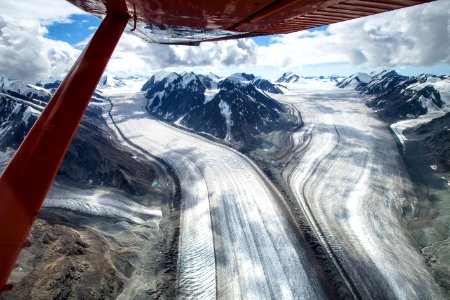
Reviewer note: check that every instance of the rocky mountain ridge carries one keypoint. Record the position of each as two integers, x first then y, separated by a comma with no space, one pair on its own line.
396,97
235,108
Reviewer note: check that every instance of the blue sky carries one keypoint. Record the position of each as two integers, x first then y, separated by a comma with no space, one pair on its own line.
413,41
74,32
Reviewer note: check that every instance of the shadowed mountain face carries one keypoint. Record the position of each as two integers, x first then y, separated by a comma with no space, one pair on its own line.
94,157
235,108
397,97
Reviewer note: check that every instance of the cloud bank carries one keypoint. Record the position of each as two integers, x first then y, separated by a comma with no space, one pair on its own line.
135,55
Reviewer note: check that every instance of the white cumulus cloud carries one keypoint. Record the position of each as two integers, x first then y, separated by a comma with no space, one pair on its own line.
135,56
45,11
26,54
418,35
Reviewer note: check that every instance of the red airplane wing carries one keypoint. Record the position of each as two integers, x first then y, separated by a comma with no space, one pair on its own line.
194,21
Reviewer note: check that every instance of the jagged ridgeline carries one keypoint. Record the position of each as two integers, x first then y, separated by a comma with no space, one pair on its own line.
236,108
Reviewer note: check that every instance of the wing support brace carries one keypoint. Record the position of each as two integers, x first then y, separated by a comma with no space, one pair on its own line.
26,180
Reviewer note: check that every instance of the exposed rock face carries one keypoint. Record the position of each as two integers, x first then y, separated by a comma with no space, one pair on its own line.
230,109
175,95
65,263
237,112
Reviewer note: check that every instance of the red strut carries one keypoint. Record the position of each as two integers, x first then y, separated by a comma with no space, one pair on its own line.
26,180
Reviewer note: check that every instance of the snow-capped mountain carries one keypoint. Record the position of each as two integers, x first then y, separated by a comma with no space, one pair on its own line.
293,80
23,90
260,83
355,80
20,105
398,97
233,108
110,82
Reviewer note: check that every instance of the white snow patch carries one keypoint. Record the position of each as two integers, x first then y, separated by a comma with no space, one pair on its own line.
159,76
213,76
210,94
16,109
38,88
100,202
28,113
178,122
441,85
188,78
226,112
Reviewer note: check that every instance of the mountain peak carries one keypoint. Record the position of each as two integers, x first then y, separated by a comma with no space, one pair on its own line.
288,77
243,77
108,81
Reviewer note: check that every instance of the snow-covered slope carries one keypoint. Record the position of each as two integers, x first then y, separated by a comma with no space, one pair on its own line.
260,83
355,80
16,119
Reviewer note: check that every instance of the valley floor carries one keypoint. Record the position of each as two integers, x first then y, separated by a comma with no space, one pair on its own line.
237,238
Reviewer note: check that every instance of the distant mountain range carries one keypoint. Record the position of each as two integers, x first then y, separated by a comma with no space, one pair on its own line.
425,97
235,108
291,78
397,97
